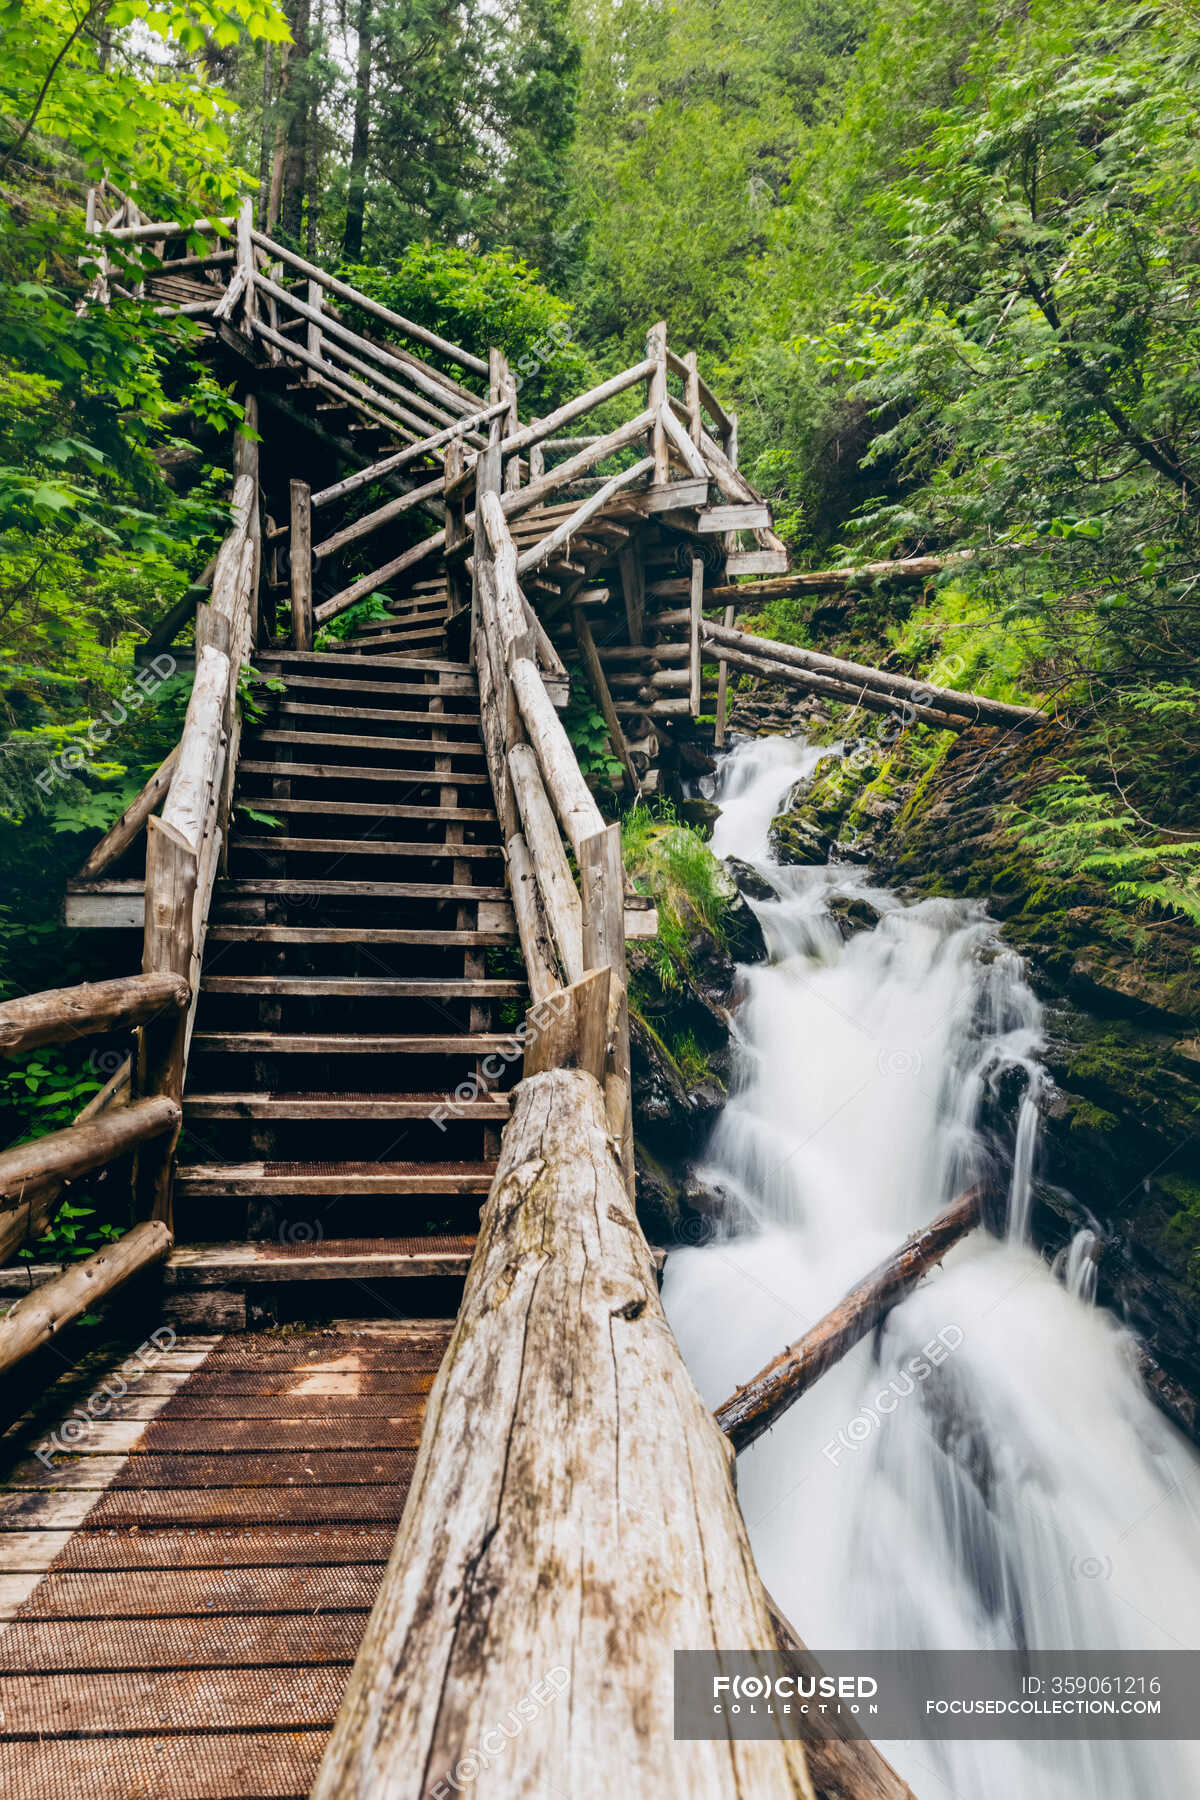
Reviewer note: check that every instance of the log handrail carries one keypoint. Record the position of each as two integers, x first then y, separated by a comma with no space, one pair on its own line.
332,328
37,1318
401,458
364,302
61,1015
537,779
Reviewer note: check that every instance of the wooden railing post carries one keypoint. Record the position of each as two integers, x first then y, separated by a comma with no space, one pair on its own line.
602,880
456,525
172,867
301,566
723,687
692,397
501,386
695,618
537,458
245,265
314,336
656,399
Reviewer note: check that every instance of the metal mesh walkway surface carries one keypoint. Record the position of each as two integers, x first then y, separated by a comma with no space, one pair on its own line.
185,1581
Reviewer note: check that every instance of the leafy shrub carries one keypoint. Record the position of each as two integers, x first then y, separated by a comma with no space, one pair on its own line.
673,864
485,297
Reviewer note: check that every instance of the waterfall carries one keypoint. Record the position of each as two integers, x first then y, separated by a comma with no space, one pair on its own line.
1026,1492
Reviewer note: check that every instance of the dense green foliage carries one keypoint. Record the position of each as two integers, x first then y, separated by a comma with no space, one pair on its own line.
941,255
964,319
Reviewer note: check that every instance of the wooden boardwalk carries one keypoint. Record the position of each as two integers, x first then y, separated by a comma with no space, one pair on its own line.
185,1587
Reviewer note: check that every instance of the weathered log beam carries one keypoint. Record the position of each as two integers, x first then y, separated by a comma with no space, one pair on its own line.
65,1155
541,552
560,896
366,304
754,1408
570,1031
329,609
537,949
59,1015
40,1316
575,409
978,708
592,1531
118,837
573,800
35,1210
869,699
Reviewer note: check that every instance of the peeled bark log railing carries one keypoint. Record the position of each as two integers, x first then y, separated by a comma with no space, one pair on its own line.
565,935
33,1175
857,684
592,1531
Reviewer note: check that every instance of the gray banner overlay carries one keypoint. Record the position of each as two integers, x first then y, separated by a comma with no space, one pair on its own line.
884,1694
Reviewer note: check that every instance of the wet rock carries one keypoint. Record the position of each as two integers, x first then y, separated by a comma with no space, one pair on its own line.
673,1121
797,840
693,759
744,935
699,813
852,913
750,881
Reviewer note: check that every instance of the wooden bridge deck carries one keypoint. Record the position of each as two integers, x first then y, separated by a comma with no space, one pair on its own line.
184,1590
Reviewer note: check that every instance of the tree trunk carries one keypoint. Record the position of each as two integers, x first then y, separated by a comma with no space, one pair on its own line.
296,105
755,1407
554,1561
360,143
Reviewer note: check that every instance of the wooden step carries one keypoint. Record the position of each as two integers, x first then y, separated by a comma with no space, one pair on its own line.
390,631
288,659
334,889
356,987
379,714
366,847
449,687
380,809
198,1181
392,646
352,772
487,1108
370,1043
335,1259
360,934
336,740
428,620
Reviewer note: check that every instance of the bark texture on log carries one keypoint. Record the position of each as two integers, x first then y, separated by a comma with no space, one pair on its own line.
902,687
755,1407
64,1155
40,1316
59,1015
571,1519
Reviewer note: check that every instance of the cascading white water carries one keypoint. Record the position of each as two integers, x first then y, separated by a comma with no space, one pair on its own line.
1025,1491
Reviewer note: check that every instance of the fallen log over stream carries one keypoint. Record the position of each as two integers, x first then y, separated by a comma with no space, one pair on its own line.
754,1408
571,1520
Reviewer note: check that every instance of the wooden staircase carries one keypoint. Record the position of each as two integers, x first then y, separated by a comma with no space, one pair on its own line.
352,1046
